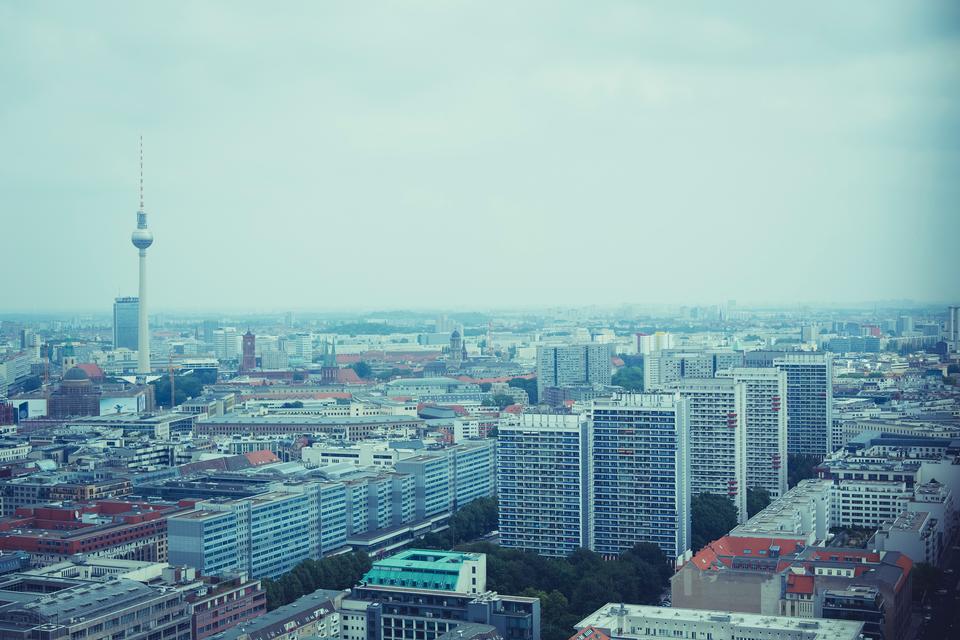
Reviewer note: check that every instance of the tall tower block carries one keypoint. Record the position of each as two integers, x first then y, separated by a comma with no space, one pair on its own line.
142,238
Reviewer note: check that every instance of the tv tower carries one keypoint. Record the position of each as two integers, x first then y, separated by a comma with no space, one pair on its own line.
142,238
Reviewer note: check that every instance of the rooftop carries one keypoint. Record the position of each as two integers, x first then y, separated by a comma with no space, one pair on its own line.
608,618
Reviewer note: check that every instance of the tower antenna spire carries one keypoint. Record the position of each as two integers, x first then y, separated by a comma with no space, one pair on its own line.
141,173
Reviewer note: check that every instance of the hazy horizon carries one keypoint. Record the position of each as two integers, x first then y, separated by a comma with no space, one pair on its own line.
480,155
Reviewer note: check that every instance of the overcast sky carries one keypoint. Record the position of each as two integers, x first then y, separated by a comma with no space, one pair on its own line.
479,154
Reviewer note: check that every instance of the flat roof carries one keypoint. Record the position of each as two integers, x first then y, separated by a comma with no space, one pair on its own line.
819,629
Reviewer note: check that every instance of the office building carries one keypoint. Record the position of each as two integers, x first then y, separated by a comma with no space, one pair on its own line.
431,593
953,328
772,576
126,316
543,474
60,608
718,438
765,422
577,364
809,401
669,366
225,343
640,480
314,615
635,622
264,535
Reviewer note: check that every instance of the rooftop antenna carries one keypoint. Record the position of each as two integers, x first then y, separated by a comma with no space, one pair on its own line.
141,173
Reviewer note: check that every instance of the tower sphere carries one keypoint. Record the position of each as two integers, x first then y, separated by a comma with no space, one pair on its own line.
141,238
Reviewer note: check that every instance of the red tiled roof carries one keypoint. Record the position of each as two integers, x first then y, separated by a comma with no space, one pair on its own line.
93,371
799,584
617,362
514,408
349,376
258,458
590,633
723,551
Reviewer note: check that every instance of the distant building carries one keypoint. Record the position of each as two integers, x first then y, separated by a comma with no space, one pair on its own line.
559,366
668,366
126,314
75,397
248,359
225,343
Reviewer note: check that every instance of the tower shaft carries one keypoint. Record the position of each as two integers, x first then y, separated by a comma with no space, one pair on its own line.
143,328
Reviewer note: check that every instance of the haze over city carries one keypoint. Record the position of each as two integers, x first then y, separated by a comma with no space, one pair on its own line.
433,154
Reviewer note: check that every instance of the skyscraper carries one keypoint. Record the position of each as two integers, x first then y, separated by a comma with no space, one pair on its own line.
640,482
126,327
142,238
558,366
953,328
225,343
543,483
718,438
809,401
765,422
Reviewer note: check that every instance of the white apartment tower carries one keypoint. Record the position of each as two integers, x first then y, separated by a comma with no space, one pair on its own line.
718,438
765,422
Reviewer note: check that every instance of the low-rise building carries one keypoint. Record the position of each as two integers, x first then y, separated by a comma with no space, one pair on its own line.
634,621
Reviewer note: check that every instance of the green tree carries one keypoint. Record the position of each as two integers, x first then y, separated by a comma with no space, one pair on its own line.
757,501
630,378
485,386
800,466
527,384
362,369
712,517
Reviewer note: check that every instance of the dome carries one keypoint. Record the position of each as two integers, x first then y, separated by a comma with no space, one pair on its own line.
76,374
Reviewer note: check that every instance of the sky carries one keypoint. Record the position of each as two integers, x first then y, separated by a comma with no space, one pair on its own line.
443,154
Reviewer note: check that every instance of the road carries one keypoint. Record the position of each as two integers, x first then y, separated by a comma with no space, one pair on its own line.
945,603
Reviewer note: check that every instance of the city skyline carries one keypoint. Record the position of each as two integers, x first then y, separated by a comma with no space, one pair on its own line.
614,163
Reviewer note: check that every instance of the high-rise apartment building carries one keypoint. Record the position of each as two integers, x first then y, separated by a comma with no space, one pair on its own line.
558,366
765,423
665,367
640,481
809,401
718,438
126,315
225,343
543,475
953,328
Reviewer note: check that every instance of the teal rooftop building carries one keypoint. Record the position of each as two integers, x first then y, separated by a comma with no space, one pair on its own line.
431,570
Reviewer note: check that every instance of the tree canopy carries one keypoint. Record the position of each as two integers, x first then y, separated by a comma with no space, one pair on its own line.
362,369
800,466
334,572
711,517
527,384
469,523
185,387
571,588
630,378
757,501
